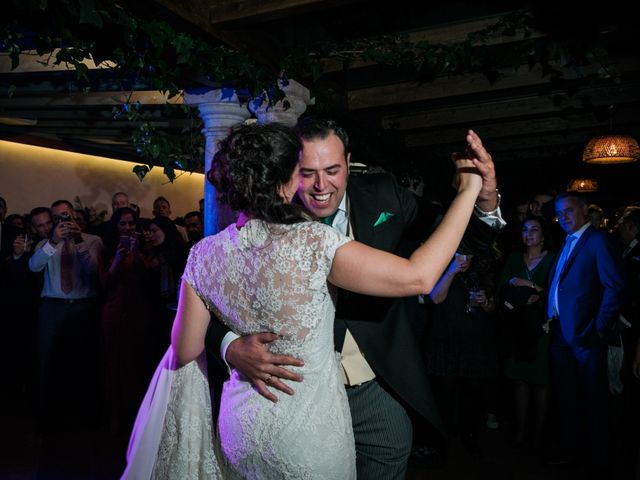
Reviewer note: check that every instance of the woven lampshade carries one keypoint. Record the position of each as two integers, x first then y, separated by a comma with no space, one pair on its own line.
611,149
583,185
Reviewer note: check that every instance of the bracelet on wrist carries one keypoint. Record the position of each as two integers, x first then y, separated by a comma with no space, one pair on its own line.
490,213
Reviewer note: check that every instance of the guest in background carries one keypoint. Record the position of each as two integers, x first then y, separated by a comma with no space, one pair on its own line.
193,225
596,216
81,217
521,288
162,208
166,257
3,213
461,345
3,209
13,224
541,204
585,296
626,413
131,304
119,200
67,322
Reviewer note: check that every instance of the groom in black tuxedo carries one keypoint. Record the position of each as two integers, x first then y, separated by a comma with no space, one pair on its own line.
382,364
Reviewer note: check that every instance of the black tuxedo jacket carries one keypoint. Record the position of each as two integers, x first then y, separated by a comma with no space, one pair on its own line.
387,330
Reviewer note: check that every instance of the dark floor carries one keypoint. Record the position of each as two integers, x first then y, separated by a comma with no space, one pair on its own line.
96,454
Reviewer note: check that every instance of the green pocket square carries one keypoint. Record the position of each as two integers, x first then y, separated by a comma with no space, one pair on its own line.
384,216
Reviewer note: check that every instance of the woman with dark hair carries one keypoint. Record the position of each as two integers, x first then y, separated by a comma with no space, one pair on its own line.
461,345
270,271
525,342
130,307
165,256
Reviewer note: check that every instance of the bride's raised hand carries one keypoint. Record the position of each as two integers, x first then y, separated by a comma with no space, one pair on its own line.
467,176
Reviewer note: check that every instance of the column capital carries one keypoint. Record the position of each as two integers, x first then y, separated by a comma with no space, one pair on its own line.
296,95
220,110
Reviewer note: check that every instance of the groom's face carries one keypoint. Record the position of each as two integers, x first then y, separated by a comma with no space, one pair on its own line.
324,170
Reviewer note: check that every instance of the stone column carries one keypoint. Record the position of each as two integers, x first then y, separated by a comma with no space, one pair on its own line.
286,111
220,110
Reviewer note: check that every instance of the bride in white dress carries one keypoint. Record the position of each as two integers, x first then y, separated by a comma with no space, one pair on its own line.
275,271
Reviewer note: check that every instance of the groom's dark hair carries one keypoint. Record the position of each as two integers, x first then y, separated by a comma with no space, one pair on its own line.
316,128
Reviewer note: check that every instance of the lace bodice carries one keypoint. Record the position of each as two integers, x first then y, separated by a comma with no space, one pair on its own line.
266,277
273,278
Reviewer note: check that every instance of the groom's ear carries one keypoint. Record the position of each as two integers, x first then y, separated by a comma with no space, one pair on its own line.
348,159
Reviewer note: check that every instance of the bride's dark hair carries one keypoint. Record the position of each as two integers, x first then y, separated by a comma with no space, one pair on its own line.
253,162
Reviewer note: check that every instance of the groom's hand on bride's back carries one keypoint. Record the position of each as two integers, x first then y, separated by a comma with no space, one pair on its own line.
250,355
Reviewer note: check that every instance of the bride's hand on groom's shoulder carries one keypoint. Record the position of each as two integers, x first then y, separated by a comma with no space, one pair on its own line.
250,355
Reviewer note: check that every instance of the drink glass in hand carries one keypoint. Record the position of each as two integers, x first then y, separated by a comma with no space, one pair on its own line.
125,243
28,242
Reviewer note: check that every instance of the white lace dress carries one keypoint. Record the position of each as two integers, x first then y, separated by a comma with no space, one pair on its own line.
260,278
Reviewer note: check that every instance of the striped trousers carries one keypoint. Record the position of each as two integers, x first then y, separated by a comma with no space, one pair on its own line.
382,431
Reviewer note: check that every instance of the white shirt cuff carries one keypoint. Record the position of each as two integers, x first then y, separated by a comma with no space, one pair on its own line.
493,220
226,341
48,248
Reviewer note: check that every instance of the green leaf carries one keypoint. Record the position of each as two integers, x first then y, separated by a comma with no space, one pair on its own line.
154,150
81,70
141,171
170,172
89,15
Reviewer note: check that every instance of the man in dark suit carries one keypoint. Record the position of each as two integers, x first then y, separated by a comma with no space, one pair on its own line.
585,296
625,437
382,363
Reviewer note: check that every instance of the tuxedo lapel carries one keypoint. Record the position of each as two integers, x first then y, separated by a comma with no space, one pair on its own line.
361,204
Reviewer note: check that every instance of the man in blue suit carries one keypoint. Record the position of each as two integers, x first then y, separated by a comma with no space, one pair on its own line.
585,296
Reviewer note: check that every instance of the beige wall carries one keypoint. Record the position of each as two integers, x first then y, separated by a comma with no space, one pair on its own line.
35,176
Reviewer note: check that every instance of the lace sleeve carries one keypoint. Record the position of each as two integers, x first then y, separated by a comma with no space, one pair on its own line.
195,269
329,240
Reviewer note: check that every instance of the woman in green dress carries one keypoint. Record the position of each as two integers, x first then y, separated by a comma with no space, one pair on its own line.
526,344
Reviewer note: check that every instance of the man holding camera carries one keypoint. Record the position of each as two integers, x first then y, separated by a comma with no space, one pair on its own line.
67,322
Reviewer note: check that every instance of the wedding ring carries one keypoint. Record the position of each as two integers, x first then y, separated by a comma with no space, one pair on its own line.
268,379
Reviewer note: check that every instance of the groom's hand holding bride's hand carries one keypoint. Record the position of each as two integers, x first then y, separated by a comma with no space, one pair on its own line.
250,355
475,159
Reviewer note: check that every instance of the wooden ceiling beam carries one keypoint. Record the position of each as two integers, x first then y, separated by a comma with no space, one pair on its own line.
261,47
505,149
507,108
466,84
229,11
91,99
497,130
445,34
117,124
57,131
31,62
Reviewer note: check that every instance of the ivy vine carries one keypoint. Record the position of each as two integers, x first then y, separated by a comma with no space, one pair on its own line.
148,52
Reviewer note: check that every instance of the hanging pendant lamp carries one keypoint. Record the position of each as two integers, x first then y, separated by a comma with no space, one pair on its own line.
609,149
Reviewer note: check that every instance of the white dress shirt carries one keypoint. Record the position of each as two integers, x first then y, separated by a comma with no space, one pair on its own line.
86,258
